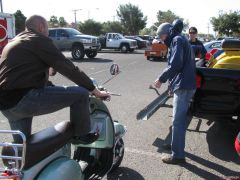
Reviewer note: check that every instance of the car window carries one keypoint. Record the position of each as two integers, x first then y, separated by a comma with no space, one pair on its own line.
216,45
72,32
120,36
110,36
61,33
52,33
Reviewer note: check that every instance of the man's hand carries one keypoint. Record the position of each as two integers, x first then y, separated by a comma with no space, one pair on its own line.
101,94
157,83
52,71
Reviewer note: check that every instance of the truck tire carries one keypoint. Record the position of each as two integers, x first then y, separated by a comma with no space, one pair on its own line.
78,52
91,54
124,48
131,50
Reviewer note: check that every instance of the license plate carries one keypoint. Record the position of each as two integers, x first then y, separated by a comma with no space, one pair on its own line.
153,53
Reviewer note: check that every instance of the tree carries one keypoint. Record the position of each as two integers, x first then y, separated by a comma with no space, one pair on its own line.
53,22
147,31
131,18
90,27
19,21
227,23
112,26
168,16
62,22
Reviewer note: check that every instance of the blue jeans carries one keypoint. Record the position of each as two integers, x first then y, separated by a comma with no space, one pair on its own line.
47,100
181,100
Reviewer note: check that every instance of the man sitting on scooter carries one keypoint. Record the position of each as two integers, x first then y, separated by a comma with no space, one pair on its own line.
24,75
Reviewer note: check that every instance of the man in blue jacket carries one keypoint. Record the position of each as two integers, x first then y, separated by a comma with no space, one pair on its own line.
180,73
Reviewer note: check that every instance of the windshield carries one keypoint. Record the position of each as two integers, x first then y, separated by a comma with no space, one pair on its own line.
120,36
73,32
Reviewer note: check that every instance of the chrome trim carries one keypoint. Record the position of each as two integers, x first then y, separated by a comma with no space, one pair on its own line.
15,169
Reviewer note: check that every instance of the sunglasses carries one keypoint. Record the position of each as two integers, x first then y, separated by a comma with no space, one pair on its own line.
192,33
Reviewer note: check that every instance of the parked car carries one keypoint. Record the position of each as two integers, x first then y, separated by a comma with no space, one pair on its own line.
140,42
212,45
218,88
69,39
148,38
157,51
117,41
228,57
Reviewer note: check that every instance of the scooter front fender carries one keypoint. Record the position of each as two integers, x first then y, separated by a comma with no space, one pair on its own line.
120,130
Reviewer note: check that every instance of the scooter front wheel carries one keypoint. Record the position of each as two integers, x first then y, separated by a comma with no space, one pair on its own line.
118,155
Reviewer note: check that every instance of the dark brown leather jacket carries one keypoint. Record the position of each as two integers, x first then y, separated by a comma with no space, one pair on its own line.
25,62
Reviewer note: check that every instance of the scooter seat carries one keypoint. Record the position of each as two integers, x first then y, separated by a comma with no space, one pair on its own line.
45,142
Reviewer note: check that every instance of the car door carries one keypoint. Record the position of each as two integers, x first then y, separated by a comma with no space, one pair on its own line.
218,92
112,41
62,39
53,35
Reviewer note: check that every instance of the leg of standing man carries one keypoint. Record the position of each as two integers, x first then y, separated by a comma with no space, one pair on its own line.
181,102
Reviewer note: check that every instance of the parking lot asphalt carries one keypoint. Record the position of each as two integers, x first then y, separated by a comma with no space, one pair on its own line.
209,148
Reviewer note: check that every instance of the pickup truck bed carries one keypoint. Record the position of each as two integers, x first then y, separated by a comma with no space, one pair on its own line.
218,93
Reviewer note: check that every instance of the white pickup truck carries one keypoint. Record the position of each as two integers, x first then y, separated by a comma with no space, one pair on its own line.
117,41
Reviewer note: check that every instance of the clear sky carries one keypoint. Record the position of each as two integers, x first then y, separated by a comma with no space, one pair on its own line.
197,13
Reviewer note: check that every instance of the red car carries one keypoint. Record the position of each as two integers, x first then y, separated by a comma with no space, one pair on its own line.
237,144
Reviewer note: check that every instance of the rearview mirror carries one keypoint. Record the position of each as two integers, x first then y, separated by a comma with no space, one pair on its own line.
114,69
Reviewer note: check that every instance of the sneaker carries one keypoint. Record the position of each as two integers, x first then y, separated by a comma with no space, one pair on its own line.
87,139
171,160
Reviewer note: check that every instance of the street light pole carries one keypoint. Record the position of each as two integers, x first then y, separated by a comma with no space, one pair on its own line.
90,11
1,5
75,16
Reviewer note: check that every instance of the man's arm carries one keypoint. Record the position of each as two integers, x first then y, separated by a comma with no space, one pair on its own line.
203,51
176,61
55,59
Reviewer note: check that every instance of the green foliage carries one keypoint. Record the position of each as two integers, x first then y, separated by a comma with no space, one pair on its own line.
62,22
19,21
90,27
53,22
112,26
168,16
132,18
227,23
147,31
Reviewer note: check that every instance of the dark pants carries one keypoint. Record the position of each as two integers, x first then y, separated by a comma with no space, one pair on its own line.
47,100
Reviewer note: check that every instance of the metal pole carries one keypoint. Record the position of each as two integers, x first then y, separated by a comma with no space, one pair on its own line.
75,16
1,5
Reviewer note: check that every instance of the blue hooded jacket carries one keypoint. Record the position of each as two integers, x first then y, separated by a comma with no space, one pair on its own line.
181,69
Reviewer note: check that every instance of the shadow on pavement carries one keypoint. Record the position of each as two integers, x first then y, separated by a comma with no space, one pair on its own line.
92,60
220,138
119,52
123,173
210,165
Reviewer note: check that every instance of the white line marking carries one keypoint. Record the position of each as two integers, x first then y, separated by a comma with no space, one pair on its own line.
145,153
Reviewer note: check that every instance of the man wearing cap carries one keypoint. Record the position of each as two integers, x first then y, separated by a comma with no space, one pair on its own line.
198,47
180,73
